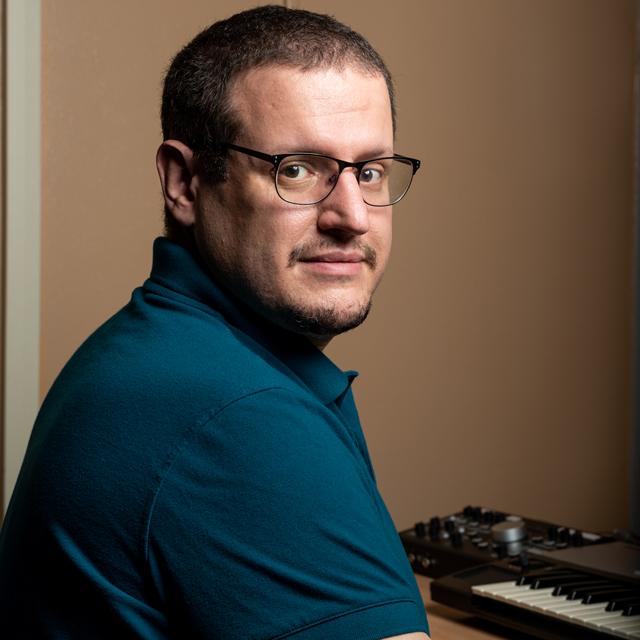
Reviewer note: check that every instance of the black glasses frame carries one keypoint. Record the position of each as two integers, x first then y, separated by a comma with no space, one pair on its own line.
277,159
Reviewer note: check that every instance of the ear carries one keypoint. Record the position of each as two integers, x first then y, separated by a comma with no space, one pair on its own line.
179,183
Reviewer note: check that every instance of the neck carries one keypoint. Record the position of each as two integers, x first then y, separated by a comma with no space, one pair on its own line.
320,343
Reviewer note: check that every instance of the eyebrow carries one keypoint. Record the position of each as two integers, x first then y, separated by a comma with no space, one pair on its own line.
381,152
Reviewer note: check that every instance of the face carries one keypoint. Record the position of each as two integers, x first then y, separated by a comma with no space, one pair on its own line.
311,269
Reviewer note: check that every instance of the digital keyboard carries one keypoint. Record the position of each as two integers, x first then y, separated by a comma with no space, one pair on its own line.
549,586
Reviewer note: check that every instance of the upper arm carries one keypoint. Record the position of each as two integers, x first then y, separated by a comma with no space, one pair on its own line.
268,525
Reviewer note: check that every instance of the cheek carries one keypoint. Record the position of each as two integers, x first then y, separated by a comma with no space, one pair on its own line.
226,225
381,234
259,246
284,230
216,237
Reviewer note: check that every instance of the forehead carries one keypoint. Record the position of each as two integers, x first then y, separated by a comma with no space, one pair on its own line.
334,111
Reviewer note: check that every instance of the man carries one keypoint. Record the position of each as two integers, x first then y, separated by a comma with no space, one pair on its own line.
198,469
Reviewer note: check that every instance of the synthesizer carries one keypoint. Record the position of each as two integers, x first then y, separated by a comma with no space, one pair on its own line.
547,580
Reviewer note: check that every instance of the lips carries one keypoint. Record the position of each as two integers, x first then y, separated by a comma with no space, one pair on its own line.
326,254
334,264
335,256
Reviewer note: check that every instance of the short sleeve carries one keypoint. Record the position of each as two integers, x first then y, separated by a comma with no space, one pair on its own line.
267,525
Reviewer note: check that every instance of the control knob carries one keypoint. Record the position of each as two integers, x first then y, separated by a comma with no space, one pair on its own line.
434,528
511,534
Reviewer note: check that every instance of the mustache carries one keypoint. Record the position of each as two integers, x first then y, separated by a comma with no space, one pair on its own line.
309,250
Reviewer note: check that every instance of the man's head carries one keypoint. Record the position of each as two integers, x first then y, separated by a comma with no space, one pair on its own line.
195,100
275,81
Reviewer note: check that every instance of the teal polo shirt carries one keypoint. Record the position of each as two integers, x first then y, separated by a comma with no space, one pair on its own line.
196,472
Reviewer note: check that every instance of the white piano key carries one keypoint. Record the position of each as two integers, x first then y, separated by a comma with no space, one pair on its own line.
626,622
531,595
569,609
566,605
626,632
608,626
592,612
584,612
499,587
494,587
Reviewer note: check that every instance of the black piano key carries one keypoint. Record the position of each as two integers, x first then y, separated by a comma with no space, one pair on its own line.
583,591
552,581
532,576
620,603
566,589
632,610
605,595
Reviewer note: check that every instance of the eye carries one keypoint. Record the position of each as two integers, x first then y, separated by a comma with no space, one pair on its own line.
294,171
372,174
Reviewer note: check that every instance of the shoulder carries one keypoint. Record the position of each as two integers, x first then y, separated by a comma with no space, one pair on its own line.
270,490
275,432
138,392
277,456
167,355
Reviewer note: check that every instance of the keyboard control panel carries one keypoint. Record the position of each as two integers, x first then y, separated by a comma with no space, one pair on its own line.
476,535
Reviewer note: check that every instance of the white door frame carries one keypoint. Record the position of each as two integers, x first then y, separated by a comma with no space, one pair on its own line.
22,233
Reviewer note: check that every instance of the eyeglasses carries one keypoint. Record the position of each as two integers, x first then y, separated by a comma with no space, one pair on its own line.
308,178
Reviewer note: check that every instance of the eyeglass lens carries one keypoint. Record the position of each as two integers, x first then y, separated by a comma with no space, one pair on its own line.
307,179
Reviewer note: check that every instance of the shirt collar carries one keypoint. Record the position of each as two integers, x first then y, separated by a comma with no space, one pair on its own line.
180,273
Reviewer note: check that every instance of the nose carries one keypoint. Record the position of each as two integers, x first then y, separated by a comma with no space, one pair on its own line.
344,212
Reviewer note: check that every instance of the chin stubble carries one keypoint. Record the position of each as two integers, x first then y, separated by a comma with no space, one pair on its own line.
324,322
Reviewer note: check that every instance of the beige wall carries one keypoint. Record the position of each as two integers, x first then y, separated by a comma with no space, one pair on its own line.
495,365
